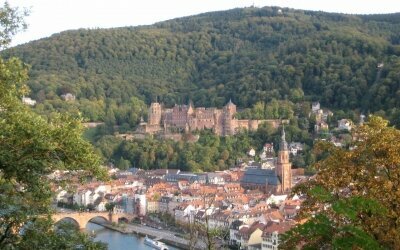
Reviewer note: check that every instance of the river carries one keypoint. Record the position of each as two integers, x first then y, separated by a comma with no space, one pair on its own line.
117,240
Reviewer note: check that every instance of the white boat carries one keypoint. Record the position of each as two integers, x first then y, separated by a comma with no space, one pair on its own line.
155,244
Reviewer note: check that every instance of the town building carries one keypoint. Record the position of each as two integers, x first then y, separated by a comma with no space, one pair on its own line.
345,124
68,97
140,203
315,107
272,234
28,101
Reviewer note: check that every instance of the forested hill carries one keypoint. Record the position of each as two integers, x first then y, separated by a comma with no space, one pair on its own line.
248,55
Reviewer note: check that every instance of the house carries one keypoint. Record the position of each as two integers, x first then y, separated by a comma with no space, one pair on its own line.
215,178
190,177
250,235
336,141
112,197
253,164
272,233
140,202
199,216
295,147
276,199
267,152
183,185
82,197
163,205
92,124
68,97
28,101
93,197
219,219
233,232
290,211
126,136
101,205
101,188
152,181
152,206
62,196
274,215
251,152
315,106
129,203
184,212
269,163
321,126
233,188
345,124
269,148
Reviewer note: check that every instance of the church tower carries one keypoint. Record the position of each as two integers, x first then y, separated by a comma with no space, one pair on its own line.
284,167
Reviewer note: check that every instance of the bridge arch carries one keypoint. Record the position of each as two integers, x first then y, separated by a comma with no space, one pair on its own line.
84,217
94,217
67,219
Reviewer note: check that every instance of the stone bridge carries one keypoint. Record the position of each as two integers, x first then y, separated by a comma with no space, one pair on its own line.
82,218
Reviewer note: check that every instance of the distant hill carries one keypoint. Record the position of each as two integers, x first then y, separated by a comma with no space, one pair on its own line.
247,55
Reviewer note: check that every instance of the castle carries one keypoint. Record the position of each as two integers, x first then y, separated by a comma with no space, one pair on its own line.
187,118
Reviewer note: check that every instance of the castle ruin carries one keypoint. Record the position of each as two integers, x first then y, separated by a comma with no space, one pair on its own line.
188,118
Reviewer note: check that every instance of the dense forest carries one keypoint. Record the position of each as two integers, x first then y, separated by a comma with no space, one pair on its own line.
271,62
209,153
247,55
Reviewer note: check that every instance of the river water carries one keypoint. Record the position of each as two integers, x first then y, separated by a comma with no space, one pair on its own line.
117,240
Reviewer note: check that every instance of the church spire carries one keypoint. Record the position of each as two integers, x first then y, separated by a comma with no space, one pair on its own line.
283,145
283,165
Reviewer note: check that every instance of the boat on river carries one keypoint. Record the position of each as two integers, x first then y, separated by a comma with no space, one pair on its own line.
155,244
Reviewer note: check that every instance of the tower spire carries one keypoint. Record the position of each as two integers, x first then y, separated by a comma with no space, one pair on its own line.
283,166
283,145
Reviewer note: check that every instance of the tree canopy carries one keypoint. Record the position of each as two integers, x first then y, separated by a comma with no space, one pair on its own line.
31,147
354,200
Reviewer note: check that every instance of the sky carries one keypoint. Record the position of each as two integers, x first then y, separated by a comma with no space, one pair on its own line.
53,16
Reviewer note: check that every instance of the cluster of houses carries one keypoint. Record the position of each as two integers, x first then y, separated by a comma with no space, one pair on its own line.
321,118
344,126
250,201
254,219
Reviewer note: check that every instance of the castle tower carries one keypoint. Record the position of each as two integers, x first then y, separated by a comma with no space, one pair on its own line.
155,113
229,123
190,109
284,167
230,108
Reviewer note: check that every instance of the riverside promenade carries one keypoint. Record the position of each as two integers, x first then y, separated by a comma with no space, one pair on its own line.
158,234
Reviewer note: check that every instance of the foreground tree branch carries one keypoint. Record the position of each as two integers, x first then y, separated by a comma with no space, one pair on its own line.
354,200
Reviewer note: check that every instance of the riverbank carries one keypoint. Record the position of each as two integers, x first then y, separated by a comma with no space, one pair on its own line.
160,235
111,227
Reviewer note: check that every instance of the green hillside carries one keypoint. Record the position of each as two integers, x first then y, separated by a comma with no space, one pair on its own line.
248,55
